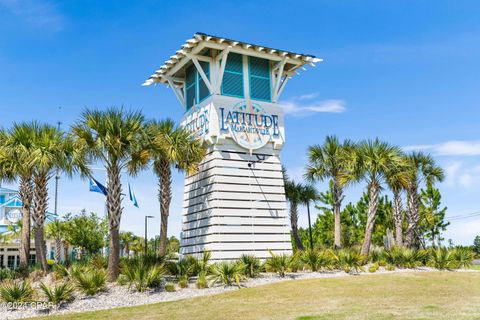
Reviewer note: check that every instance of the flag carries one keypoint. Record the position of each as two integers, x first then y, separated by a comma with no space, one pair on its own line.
132,196
96,186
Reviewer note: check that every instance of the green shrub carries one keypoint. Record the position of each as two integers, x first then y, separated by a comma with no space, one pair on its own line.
253,265
183,267
6,274
141,276
279,263
462,257
202,282
227,273
16,291
373,268
183,282
169,287
316,260
92,281
202,264
375,255
60,293
61,271
441,259
390,267
98,261
351,260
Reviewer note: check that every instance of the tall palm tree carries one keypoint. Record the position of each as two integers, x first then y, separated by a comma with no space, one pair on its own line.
53,151
375,160
308,194
332,160
397,179
16,163
425,170
293,193
171,146
116,138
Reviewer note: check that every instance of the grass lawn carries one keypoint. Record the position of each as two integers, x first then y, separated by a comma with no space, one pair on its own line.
435,295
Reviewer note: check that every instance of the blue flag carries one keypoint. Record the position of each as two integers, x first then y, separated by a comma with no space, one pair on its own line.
96,186
132,196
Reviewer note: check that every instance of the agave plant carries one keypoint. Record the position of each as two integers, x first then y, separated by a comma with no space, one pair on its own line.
253,265
60,293
91,281
141,276
441,259
16,291
227,273
202,282
462,257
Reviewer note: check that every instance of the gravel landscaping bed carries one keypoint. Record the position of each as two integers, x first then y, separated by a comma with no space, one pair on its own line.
119,296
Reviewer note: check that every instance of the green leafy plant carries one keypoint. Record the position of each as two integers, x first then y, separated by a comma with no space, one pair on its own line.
6,274
183,267
317,260
462,257
16,291
202,282
351,261
253,265
227,273
141,276
441,259
373,268
60,293
279,263
183,281
169,287
390,267
91,282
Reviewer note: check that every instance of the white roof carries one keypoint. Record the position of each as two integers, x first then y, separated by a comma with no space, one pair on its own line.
200,41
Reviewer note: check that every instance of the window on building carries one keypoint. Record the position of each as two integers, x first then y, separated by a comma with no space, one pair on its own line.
195,88
232,83
259,78
32,259
1,261
11,262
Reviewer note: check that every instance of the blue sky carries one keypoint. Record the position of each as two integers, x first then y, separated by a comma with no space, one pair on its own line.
403,71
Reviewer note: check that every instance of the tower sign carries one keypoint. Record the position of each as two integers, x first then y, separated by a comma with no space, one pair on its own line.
235,204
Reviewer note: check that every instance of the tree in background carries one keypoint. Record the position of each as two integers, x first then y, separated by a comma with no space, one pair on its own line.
127,238
424,170
293,193
476,244
116,138
432,216
171,146
86,232
56,230
332,160
308,195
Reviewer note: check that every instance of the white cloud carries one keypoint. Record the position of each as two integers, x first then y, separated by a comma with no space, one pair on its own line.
305,104
35,12
449,148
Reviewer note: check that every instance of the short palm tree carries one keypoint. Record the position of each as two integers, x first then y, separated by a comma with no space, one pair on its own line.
171,146
293,193
374,161
127,239
16,163
332,160
425,170
397,179
309,194
117,138
56,230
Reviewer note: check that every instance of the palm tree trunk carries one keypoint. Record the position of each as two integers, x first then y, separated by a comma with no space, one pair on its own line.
65,251
337,202
114,210
413,217
294,222
397,217
26,194
372,212
165,197
40,208
58,243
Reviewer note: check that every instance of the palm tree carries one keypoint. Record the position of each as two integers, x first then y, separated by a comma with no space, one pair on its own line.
293,192
171,146
16,163
308,194
332,160
127,238
375,160
117,138
56,230
397,179
52,152
425,170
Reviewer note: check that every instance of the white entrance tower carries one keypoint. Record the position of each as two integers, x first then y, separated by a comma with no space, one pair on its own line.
229,89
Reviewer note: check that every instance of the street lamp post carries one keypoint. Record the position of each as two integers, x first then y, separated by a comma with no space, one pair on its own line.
146,217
